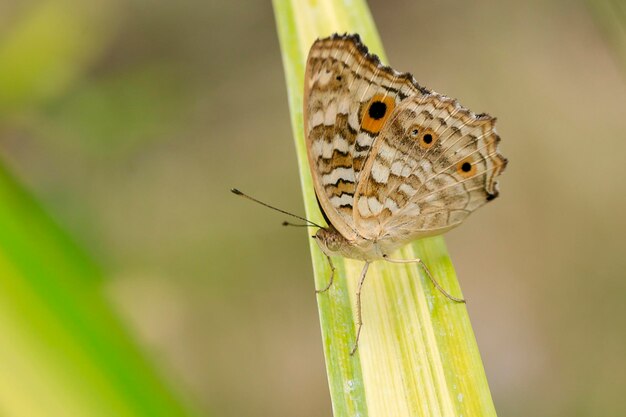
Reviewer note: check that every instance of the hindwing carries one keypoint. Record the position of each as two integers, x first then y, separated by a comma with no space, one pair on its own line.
433,164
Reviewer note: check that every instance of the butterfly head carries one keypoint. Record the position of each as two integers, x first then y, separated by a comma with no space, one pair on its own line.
330,241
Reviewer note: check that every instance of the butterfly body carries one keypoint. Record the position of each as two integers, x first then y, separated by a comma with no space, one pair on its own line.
334,243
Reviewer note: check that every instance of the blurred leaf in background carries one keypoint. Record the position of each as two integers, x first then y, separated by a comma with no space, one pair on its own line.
46,47
63,350
611,18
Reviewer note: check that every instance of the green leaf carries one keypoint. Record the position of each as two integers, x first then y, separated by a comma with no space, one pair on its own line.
64,352
418,354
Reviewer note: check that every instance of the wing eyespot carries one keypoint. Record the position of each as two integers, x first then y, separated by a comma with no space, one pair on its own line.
375,112
426,138
466,168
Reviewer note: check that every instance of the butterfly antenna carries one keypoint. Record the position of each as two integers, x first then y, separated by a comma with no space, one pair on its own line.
286,223
239,193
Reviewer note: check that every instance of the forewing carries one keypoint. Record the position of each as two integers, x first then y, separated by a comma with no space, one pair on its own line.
433,164
348,97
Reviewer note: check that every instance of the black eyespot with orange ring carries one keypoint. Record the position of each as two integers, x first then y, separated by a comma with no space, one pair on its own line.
426,138
466,168
376,112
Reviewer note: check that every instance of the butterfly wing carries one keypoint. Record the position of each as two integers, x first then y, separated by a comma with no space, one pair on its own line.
433,164
348,96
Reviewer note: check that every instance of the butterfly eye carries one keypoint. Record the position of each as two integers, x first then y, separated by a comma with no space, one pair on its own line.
466,168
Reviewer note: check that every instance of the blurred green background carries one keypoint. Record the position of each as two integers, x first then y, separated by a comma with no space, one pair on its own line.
130,120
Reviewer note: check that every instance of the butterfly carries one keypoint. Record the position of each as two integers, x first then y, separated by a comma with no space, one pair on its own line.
391,161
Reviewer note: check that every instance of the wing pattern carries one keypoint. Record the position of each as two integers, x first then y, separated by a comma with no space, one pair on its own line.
348,97
433,164
390,159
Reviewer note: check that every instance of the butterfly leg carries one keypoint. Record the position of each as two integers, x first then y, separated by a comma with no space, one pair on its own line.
432,279
332,276
359,321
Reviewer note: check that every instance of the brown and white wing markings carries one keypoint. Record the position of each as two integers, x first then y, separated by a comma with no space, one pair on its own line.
348,97
433,164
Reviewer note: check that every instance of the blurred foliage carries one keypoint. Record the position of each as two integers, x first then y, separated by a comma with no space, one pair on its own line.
115,113
611,18
64,351
48,47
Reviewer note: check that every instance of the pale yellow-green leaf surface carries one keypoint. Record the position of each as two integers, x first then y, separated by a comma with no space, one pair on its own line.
417,355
